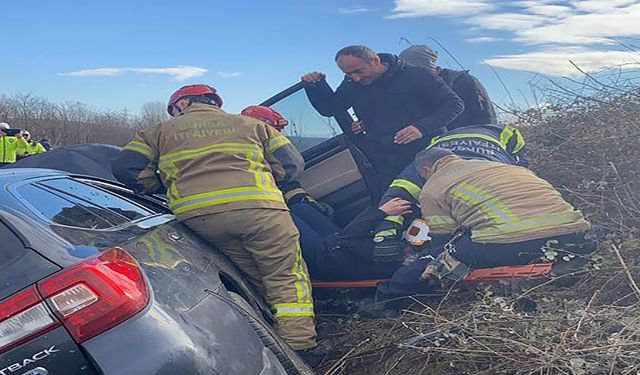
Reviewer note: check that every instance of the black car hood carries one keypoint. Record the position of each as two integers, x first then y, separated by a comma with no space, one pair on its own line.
92,159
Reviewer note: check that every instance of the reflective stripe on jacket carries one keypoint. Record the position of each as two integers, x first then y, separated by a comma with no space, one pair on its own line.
11,148
211,161
501,143
499,203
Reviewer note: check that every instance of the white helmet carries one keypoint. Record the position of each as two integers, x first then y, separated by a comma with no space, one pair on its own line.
4,125
25,134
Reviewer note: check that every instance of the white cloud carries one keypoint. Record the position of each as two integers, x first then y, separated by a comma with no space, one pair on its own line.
483,39
549,10
179,73
94,72
556,61
601,6
355,10
537,21
566,22
421,8
583,31
533,3
506,21
229,74
588,28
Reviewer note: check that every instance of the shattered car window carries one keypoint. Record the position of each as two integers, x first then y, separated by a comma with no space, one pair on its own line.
99,198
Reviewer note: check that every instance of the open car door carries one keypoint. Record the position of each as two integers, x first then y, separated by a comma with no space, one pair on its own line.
337,171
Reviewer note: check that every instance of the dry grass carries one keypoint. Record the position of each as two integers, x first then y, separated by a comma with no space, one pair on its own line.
588,323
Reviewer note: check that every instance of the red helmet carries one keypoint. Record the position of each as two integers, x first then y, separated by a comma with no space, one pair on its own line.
266,114
193,90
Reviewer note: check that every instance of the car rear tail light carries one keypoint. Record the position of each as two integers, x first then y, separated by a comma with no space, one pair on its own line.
87,298
97,293
73,299
21,317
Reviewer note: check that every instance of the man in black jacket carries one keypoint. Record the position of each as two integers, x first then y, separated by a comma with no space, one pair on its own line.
399,107
478,109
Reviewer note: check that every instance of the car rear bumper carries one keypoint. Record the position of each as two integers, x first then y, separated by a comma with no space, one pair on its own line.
209,338
54,352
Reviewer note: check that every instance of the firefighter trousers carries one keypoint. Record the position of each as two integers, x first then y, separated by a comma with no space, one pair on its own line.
263,243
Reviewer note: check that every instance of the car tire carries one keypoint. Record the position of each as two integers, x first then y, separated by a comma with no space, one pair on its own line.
291,362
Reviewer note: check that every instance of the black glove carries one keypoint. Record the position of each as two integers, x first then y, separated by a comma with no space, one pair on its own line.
324,208
298,195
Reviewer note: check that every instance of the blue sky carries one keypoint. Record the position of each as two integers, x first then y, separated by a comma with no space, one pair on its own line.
117,54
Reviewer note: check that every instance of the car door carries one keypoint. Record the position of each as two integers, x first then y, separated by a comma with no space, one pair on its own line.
337,170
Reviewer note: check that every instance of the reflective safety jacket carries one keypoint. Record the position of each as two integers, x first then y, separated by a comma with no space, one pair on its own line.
210,161
499,143
498,203
11,148
34,148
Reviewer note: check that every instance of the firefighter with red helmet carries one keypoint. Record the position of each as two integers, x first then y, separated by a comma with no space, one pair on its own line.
220,172
292,190
267,115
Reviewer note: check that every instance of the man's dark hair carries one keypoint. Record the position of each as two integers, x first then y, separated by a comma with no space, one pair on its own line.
361,52
428,157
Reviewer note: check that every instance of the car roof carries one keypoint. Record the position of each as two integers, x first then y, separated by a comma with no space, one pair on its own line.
91,159
9,175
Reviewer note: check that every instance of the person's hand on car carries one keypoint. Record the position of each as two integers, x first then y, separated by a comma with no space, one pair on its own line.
396,206
357,127
313,77
407,135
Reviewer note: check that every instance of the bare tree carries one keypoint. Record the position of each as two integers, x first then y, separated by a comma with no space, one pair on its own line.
70,122
153,113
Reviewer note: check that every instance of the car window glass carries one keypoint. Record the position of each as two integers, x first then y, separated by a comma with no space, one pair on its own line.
12,247
153,203
98,197
66,211
306,127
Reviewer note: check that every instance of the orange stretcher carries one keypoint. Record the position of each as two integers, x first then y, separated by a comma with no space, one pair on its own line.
485,274
510,272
